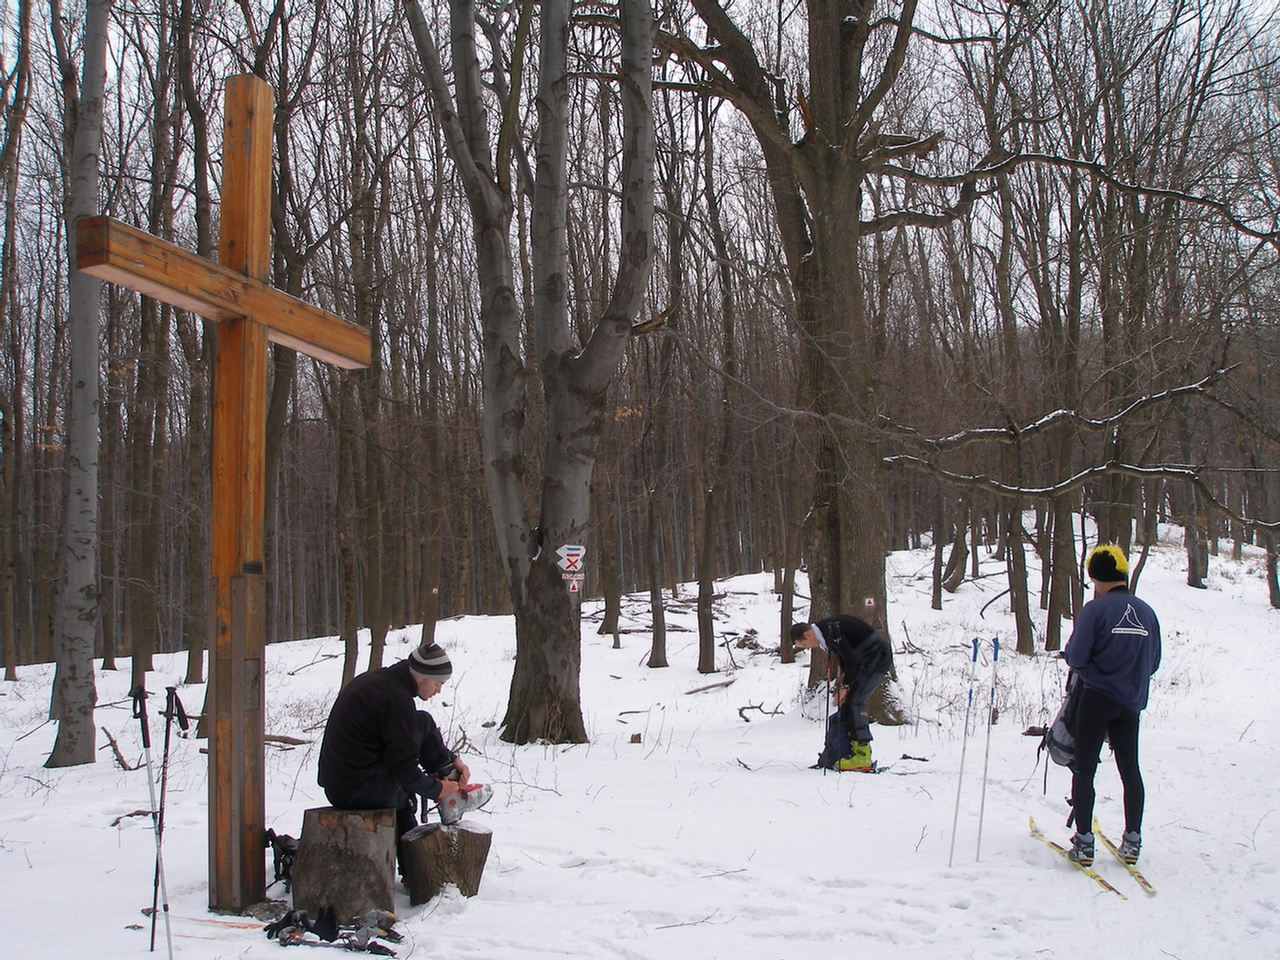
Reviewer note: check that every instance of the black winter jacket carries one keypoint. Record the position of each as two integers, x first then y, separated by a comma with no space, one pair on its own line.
373,724
859,646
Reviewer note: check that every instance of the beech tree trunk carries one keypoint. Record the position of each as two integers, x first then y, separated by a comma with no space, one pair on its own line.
544,702
11,395
74,691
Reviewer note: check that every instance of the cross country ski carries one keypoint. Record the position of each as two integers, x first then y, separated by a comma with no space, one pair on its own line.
1062,852
1134,872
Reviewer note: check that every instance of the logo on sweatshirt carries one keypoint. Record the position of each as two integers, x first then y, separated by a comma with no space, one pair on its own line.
1130,624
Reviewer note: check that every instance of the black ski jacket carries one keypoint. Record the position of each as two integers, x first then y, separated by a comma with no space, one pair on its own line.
374,724
856,644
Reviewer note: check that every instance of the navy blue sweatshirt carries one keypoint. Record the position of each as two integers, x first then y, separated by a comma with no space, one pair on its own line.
1115,647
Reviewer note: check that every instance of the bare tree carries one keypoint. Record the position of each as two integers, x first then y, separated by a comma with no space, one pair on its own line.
74,694
854,58
17,98
544,701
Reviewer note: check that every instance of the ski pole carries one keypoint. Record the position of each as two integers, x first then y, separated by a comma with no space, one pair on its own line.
964,747
826,713
140,712
986,757
172,709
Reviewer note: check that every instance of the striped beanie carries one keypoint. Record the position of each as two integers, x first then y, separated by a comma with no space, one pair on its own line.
430,662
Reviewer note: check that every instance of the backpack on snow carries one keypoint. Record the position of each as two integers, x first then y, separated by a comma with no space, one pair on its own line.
1058,739
837,745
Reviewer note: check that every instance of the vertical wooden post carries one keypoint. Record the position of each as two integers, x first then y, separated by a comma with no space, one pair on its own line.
237,875
249,314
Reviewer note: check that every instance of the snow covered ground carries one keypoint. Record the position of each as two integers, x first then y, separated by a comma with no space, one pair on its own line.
711,837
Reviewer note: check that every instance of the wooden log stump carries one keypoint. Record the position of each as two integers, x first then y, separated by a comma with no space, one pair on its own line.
346,860
433,854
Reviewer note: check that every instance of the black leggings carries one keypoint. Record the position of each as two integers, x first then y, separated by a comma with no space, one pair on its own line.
853,711
1098,718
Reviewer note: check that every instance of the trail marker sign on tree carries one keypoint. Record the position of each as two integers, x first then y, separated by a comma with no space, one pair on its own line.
249,314
570,564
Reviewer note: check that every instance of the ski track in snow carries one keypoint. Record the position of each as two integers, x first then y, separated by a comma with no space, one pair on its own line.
710,837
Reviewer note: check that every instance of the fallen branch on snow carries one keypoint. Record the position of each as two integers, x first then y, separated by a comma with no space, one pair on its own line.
115,748
742,711
710,686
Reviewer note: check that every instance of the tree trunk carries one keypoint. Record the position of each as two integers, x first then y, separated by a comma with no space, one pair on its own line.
939,528
953,572
707,583
653,570
544,700
348,574
1273,570
792,499
1062,572
1016,565
110,537
12,400
817,184
196,342
434,855
74,694
606,512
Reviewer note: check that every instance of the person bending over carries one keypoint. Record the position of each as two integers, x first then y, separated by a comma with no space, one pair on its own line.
863,657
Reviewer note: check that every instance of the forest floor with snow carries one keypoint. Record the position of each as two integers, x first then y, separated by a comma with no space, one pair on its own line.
711,837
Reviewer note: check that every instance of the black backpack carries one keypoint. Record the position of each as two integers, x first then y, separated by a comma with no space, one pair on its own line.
285,850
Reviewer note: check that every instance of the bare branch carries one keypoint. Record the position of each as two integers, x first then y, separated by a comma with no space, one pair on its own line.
1189,474
1016,434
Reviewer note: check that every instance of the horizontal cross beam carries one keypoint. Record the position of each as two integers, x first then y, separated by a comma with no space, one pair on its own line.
119,253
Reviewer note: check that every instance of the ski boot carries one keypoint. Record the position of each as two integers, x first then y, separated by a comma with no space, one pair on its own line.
469,798
1081,850
859,759
1130,846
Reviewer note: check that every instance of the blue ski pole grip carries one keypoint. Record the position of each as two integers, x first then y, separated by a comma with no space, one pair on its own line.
975,649
995,648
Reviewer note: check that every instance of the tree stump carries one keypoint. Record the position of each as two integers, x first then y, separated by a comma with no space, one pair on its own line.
346,860
433,854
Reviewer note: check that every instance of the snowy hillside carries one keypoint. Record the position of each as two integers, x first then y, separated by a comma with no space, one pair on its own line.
710,837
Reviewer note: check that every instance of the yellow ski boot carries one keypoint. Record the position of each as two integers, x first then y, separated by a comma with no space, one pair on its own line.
859,760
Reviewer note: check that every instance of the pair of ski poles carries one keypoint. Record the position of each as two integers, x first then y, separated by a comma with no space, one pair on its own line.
986,760
172,710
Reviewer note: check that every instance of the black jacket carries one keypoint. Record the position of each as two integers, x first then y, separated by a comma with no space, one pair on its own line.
857,645
373,724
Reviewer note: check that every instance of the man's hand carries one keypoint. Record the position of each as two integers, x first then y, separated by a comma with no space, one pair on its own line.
463,771
448,788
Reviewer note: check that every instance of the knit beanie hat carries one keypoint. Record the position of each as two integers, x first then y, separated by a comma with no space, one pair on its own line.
1107,564
430,662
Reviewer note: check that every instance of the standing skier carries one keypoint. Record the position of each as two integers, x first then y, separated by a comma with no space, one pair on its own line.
864,657
379,750
1115,648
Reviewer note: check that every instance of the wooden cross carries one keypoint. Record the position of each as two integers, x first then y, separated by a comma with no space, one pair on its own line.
250,314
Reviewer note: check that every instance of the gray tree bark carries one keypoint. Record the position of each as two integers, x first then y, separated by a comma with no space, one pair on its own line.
74,693
544,703
18,93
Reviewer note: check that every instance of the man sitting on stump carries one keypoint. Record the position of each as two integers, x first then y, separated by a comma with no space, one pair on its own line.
863,658
379,750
